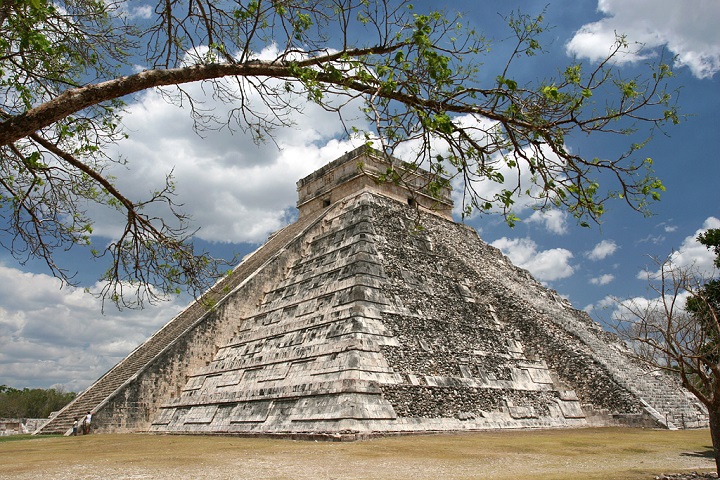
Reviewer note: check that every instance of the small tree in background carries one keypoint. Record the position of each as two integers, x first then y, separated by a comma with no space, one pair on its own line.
32,402
679,330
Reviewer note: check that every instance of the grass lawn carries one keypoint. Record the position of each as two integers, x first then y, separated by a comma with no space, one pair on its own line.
593,453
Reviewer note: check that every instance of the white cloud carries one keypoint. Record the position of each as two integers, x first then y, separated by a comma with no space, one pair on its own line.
602,250
143,11
517,179
638,310
51,336
691,254
653,239
666,227
234,189
686,28
602,279
546,265
554,221
604,303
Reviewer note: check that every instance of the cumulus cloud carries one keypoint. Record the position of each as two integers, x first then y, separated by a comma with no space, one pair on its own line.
517,179
57,337
691,253
688,29
142,11
554,221
652,239
604,303
638,310
602,279
234,189
545,265
602,250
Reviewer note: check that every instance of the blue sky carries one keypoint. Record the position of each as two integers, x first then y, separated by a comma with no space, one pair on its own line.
238,192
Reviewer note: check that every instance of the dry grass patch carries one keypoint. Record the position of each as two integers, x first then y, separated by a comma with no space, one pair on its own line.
607,453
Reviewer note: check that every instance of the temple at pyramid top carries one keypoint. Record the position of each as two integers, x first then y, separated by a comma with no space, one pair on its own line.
367,168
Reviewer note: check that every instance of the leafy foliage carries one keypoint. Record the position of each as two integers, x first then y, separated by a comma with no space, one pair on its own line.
32,403
704,305
418,75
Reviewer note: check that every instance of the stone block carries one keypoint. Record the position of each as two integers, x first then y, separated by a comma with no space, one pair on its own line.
571,409
200,414
540,375
522,412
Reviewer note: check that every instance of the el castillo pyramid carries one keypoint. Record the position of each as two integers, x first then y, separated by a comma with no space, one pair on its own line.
374,313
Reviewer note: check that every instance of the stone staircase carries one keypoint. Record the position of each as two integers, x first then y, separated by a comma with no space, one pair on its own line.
661,396
663,400
104,388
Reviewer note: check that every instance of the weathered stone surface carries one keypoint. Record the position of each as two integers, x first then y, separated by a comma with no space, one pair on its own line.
371,316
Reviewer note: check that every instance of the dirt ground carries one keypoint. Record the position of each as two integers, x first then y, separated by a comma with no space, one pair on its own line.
597,453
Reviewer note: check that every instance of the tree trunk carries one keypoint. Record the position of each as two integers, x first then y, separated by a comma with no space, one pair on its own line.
714,417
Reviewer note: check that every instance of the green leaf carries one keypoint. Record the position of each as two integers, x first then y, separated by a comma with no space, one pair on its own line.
551,92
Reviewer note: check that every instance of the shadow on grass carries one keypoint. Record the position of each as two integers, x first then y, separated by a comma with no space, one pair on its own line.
709,453
14,438
24,436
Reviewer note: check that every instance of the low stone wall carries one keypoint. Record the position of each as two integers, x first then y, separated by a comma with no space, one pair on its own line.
16,426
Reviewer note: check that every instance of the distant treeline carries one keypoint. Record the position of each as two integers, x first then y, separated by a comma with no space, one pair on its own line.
32,402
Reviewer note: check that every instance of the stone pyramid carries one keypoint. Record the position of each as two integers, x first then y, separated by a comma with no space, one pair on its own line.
375,313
